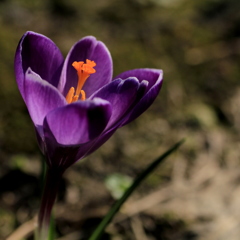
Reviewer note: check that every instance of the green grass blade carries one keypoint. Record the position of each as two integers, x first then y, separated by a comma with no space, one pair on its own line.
106,220
51,233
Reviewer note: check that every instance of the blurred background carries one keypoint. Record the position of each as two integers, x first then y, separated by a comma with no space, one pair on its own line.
195,194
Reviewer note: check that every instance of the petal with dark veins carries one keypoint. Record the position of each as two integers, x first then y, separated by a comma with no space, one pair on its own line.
87,48
41,97
77,123
40,54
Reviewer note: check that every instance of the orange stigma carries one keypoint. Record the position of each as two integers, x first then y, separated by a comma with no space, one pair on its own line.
84,70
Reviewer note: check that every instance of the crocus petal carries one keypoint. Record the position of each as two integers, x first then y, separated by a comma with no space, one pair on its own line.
150,75
121,94
41,97
41,55
90,147
154,78
87,48
78,122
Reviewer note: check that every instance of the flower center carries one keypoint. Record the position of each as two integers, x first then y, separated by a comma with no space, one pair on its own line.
84,70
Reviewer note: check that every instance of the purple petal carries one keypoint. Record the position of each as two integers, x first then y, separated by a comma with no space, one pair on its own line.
65,156
121,94
58,156
41,55
143,98
92,146
150,75
87,48
41,97
147,93
78,122
40,137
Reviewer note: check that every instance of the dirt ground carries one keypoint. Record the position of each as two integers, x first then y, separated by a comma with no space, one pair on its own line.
195,193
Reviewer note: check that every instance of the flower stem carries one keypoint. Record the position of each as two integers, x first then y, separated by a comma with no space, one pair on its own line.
52,180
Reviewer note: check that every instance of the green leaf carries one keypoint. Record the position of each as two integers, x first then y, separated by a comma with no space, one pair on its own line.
115,208
51,233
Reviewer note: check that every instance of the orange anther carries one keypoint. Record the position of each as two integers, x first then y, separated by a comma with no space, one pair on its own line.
83,95
84,70
75,98
77,65
70,94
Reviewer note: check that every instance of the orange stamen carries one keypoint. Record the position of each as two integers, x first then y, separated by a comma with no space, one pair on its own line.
84,70
83,95
75,98
70,94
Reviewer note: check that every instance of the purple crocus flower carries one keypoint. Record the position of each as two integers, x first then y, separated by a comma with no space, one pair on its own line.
74,103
